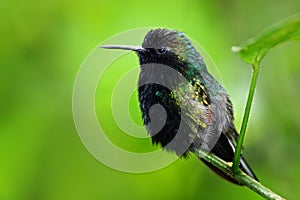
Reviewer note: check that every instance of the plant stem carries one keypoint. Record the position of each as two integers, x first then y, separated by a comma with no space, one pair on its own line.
237,155
239,176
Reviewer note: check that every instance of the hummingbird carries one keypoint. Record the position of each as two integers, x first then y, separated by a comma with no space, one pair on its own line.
184,108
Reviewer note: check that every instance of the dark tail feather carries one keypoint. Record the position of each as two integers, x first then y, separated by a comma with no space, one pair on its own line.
246,168
224,149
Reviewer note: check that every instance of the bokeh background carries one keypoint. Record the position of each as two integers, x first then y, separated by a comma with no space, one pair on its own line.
42,47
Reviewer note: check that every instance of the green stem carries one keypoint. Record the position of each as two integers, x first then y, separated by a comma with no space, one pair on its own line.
239,176
237,155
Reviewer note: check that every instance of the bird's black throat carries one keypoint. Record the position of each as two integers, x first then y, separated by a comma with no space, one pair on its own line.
155,66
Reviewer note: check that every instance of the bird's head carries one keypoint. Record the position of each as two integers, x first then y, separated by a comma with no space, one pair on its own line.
167,47
170,48
169,44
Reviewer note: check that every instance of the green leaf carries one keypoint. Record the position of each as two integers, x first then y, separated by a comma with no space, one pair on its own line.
255,49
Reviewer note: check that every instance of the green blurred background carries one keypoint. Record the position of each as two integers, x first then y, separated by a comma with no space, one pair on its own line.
42,47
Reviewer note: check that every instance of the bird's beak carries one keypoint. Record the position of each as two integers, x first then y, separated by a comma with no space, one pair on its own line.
125,47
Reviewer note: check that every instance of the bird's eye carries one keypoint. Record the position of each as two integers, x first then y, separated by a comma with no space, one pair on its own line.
161,50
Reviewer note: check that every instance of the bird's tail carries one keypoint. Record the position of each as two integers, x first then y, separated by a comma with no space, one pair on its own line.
224,149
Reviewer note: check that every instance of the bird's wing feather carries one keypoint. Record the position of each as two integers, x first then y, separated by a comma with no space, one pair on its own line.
206,117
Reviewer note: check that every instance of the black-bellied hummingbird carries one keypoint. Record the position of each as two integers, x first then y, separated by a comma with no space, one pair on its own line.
183,107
